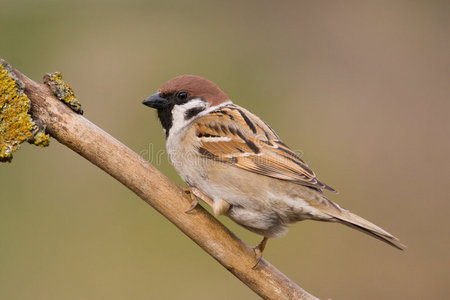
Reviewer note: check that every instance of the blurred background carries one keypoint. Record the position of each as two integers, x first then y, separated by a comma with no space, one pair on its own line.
360,88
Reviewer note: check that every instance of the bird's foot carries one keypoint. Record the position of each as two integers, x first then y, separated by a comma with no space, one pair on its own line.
194,201
219,206
259,250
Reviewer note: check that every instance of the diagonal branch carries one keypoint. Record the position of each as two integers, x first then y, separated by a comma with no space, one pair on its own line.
104,151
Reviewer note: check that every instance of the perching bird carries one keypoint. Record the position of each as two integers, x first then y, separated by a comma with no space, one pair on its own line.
236,163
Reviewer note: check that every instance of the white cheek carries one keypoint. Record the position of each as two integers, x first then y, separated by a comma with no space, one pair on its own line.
178,114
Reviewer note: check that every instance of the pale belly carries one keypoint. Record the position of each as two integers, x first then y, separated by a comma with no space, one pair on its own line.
261,204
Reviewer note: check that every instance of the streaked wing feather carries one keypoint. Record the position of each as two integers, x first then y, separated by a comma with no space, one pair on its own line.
244,140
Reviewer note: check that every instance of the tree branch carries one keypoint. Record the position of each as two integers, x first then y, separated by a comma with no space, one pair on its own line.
104,151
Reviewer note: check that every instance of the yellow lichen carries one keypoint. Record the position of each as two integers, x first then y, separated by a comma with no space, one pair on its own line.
16,124
40,138
63,91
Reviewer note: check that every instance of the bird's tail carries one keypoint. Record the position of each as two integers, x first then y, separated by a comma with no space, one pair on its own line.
350,219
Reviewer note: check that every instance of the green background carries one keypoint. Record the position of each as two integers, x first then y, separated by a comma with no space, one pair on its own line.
361,88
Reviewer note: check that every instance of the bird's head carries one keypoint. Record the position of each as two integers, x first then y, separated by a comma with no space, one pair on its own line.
183,98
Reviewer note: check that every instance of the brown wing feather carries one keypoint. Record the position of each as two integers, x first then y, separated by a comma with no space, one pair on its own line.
247,142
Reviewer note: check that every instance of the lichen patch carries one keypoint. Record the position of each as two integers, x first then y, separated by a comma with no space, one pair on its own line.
16,124
63,91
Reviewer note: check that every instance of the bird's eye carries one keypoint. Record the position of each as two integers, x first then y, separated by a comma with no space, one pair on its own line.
182,95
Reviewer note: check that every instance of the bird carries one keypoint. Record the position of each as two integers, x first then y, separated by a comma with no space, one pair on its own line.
236,163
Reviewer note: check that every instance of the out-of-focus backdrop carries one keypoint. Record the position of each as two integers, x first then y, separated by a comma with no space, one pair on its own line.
360,88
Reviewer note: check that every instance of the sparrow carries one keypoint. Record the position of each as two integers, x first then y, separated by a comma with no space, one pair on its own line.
237,164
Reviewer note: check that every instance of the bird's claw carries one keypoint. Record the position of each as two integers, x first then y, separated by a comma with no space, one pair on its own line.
194,204
258,256
194,201
259,250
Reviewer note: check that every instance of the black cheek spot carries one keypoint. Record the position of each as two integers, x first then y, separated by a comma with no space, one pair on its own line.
190,113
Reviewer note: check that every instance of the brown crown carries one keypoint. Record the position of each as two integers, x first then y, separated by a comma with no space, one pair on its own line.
197,87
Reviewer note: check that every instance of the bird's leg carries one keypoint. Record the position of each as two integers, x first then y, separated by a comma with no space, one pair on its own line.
259,250
219,206
193,194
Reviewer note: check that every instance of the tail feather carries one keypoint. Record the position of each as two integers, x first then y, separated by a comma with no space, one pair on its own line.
350,219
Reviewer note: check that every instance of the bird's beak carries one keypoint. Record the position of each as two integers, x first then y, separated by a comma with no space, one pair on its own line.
156,101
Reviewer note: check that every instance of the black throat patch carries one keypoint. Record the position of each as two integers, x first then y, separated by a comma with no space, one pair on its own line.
165,117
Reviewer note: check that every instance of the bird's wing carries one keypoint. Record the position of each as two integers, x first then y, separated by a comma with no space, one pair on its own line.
233,135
